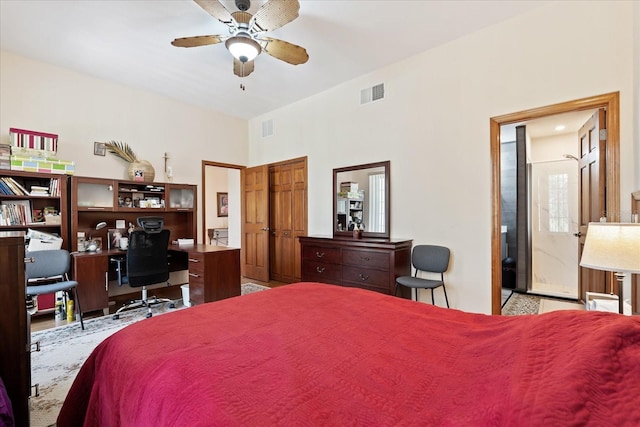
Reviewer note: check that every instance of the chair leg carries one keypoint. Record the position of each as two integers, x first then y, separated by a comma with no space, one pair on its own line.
445,295
433,301
79,308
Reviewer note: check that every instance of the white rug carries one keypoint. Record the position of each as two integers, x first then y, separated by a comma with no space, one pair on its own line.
519,304
65,348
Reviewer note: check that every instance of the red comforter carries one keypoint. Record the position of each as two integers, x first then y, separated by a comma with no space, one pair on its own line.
312,354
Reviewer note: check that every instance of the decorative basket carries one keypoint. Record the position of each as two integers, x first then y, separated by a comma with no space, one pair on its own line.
141,170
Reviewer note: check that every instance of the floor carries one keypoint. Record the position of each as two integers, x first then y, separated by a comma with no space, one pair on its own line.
547,305
44,321
555,290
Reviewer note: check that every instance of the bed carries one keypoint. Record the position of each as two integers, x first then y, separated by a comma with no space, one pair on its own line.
315,354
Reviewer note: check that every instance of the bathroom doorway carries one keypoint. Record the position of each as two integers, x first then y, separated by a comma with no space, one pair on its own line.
609,179
551,149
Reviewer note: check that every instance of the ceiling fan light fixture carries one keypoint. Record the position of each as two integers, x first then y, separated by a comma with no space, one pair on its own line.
243,48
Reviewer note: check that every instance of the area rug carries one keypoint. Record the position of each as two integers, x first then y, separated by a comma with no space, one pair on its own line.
518,304
63,350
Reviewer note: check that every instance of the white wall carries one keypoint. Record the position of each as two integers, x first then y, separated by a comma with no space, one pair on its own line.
82,109
434,125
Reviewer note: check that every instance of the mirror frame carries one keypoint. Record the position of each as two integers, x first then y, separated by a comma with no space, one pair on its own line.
387,183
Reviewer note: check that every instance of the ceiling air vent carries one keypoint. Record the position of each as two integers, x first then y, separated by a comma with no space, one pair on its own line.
267,128
371,94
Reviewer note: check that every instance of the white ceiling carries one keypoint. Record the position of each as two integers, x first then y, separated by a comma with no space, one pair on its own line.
547,126
129,42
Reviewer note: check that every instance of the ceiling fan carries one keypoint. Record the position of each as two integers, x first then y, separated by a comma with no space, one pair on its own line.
246,39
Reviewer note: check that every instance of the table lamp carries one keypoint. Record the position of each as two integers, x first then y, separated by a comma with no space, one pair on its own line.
613,247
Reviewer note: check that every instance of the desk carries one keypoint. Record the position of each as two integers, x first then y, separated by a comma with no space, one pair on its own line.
214,273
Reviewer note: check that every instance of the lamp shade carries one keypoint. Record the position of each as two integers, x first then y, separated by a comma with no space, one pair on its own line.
612,247
243,48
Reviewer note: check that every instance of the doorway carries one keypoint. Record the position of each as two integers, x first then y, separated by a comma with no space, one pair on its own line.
221,226
610,179
551,150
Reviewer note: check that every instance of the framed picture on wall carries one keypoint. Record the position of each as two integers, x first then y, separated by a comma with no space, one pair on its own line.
99,149
223,204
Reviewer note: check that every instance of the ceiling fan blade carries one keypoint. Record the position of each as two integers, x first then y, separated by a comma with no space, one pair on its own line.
217,10
242,70
275,13
197,41
285,51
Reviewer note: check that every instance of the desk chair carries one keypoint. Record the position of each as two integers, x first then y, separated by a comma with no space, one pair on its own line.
430,259
49,273
146,261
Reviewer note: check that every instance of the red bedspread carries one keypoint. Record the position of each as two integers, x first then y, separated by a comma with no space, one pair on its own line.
312,354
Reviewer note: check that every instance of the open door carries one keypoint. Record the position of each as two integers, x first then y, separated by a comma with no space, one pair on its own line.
593,141
254,186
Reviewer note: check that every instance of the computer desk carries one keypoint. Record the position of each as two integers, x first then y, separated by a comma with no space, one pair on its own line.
214,273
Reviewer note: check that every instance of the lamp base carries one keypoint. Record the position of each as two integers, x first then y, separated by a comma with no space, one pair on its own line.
620,279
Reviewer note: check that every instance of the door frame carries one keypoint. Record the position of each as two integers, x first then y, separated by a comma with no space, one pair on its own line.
206,163
609,101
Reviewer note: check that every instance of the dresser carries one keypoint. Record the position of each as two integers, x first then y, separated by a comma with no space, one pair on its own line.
15,357
370,264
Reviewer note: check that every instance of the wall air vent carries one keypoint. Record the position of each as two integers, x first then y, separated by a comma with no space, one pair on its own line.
267,128
371,94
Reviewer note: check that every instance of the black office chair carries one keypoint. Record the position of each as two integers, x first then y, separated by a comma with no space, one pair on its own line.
431,259
147,262
48,272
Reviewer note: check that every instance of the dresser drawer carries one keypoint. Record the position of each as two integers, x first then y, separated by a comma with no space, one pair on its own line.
321,254
369,259
321,272
365,276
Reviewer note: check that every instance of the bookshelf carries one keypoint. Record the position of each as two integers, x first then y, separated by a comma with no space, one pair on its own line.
37,201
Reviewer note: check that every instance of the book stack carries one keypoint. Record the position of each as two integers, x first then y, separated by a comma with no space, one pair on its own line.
15,212
54,188
10,187
37,190
5,156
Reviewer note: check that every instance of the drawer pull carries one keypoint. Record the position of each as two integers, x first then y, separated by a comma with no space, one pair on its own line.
194,275
363,277
36,392
365,258
193,260
319,254
32,345
320,269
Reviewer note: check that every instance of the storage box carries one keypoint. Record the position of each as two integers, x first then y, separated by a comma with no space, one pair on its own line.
42,164
52,219
33,140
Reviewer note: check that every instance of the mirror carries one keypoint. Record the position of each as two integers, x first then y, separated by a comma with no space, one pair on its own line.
361,199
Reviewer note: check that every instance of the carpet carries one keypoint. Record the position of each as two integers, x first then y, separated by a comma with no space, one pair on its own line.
518,304
64,349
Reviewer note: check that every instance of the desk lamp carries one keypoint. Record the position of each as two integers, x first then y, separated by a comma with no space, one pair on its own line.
92,245
613,247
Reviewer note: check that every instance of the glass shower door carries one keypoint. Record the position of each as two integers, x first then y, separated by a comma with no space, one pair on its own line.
554,222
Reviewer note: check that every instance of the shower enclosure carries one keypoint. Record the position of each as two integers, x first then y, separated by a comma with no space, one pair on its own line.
553,224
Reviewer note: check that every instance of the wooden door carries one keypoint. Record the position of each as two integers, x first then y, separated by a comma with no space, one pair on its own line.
254,184
288,213
592,140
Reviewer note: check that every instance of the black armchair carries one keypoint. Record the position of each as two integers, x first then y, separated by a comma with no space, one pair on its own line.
146,262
